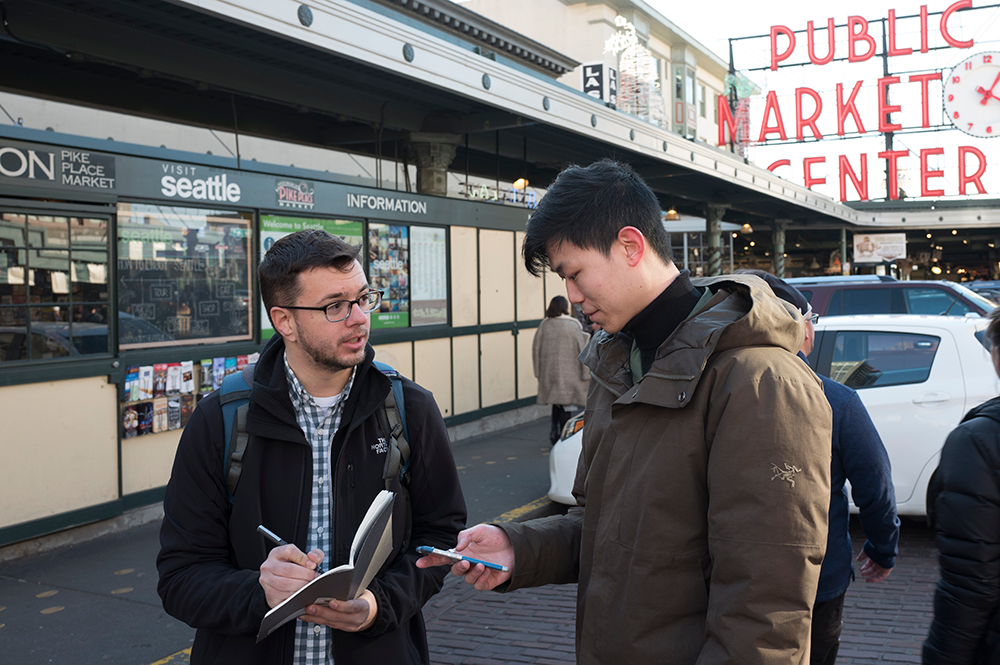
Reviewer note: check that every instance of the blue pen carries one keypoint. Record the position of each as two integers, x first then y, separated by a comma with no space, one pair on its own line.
423,549
280,542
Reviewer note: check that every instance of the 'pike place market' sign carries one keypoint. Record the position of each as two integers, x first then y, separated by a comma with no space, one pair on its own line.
970,90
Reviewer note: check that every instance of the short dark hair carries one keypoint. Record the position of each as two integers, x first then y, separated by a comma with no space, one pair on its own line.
557,307
780,288
993,330
278,272
588,206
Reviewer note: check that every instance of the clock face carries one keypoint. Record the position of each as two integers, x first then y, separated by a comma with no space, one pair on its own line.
972,95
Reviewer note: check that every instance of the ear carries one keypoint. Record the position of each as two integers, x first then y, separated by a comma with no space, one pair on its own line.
284,323
633,243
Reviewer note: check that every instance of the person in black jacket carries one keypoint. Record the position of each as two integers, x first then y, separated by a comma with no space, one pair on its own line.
966,625
312,468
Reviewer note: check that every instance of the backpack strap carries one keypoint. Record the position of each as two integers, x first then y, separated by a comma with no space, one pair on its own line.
234,396
392,418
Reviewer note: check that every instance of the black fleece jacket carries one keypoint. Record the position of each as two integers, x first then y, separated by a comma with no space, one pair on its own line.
966,626
210,557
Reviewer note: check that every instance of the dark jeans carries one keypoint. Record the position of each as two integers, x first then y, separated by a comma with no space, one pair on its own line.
560,417
826,625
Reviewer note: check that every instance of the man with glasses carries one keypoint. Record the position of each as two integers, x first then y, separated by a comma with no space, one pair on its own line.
313,466
860,457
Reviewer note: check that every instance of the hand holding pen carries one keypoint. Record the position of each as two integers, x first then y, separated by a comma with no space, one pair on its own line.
281,542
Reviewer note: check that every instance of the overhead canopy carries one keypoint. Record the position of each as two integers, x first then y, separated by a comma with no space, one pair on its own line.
365,77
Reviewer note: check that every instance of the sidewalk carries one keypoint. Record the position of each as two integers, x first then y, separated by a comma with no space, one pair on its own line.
885,622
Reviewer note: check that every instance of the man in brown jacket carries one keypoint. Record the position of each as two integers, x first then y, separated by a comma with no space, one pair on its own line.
704,482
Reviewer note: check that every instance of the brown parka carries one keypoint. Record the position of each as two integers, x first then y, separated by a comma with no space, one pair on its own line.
703,489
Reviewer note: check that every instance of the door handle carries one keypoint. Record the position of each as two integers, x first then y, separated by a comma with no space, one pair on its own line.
932,398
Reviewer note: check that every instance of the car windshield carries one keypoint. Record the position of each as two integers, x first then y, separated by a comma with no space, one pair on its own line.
985,303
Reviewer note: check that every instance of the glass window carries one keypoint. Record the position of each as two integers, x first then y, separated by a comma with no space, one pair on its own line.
702,109
53,286
933,301
866,301
430,276
184,275
870,359
389,272
807,294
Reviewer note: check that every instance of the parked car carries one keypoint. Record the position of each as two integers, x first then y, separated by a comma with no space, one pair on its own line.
916,375
871,294
987,288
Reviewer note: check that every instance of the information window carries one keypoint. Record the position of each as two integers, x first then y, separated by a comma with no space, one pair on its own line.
389,272
184,275
53,286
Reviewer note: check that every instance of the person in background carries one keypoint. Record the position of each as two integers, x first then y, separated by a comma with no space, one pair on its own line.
860,457
965,495
562,378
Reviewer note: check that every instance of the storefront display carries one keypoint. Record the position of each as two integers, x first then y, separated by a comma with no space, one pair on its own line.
389,272
183,275
162,397
430,276
53,286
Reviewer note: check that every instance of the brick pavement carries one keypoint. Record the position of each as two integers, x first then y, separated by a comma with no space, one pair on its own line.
883,623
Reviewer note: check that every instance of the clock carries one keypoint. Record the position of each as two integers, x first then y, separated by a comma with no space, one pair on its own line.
972,95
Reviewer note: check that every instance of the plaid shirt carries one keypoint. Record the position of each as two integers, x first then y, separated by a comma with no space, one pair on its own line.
313,642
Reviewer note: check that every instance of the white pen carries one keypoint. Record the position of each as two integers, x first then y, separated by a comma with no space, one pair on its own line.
423,549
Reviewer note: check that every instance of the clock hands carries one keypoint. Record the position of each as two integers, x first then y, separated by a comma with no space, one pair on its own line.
988,93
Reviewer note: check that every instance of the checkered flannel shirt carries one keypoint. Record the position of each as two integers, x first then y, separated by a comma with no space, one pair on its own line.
313,642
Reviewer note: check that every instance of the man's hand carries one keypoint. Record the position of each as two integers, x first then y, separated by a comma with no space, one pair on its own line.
871,571
347,615
482,541
286,570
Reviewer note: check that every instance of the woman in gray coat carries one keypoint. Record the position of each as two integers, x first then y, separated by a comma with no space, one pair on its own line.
562,379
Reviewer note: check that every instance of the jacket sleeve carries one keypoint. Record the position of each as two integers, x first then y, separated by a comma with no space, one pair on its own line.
968,512
437,510
199,583
768,505
546,550
866,465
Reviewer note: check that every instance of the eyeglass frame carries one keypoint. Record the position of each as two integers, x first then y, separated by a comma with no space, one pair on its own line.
350,306
813,319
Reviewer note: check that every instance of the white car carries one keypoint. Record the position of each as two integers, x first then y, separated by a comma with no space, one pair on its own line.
916,375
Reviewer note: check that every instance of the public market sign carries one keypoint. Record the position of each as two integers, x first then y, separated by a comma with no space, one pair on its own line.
971,101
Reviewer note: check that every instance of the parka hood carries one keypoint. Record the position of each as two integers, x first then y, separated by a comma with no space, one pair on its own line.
742,312
990,409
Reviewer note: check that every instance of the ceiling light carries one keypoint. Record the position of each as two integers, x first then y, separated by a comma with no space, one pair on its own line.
672,215
746,228
936,270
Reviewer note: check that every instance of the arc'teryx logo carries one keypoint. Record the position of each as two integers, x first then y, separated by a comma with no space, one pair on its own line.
380,446
788,473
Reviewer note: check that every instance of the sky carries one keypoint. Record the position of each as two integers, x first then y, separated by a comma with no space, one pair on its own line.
712,22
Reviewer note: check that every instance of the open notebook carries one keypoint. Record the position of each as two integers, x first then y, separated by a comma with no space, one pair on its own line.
371,547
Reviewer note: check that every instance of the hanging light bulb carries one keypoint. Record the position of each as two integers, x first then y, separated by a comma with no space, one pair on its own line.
746,228
672,215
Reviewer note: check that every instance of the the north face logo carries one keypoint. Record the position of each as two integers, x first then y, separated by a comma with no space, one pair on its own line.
788,473
381,446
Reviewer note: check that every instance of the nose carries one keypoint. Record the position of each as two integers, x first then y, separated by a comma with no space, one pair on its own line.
356,317
573,293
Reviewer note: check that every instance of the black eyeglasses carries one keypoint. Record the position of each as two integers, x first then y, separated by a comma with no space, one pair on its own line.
341,309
